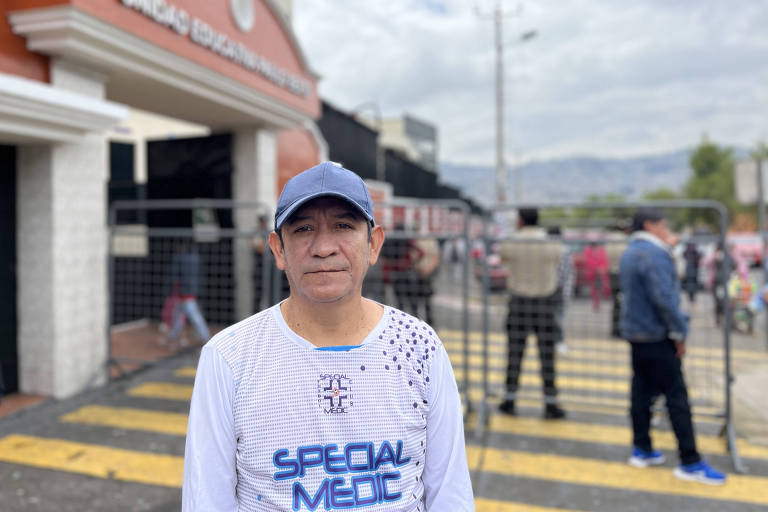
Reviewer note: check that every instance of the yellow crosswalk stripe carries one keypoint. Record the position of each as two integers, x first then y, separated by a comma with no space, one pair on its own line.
619,386
185,371
163,390
176,424
592,361
496,338
167,470
488,505
606,410
562,381
615,435
560,366
620,405
614,475
529,398
129,419
93,460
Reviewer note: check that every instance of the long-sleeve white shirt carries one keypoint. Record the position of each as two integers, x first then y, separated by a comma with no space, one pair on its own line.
278,424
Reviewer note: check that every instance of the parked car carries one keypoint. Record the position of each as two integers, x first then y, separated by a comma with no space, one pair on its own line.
497,273
746,246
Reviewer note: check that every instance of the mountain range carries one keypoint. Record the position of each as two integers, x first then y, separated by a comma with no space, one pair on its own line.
574,179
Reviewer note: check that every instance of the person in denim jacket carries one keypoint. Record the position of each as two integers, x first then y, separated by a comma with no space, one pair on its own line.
656,327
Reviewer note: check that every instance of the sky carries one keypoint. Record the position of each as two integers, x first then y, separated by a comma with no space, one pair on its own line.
611,78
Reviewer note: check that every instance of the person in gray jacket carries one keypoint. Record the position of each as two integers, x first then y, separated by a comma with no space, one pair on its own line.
656,327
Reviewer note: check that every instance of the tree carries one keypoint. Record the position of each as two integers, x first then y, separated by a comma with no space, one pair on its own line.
712,178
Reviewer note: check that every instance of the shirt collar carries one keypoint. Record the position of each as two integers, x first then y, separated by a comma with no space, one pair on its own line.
532,232
648,237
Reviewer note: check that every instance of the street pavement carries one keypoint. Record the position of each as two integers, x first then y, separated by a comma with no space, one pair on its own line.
121,447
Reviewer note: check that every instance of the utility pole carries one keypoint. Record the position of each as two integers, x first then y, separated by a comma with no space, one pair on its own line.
501,174
498,23
761,221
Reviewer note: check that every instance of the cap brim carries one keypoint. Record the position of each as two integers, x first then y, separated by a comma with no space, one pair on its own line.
297,204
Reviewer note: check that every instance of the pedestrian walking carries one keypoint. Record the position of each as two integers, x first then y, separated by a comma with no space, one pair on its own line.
532,262
327,399
655,326
596,265
692,258
184,277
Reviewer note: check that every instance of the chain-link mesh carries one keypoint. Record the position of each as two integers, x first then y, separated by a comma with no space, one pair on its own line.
197,266
191,269
551,335
423,270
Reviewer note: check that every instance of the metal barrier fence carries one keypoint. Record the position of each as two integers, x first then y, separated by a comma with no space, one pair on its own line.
558,294
180,270
424,269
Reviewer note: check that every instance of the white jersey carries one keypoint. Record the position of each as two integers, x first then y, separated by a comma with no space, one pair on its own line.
277,424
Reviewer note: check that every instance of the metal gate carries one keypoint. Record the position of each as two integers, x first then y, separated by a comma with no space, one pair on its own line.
575,356
180,270
424,270
164,252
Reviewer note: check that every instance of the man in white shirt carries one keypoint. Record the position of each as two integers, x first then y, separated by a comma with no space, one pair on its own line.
327,399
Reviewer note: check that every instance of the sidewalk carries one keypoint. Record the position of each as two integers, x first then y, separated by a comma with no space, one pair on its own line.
134,346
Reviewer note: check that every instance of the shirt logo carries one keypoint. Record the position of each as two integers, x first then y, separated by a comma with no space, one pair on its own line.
334,393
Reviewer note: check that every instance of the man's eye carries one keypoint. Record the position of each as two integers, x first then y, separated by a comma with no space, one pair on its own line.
301,229
342,225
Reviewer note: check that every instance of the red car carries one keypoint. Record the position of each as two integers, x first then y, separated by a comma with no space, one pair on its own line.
497,273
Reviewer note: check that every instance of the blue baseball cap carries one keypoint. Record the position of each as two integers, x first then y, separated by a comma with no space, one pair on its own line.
325,179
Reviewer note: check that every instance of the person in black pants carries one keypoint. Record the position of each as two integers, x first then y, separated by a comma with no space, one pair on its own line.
533,261
536,315
656,327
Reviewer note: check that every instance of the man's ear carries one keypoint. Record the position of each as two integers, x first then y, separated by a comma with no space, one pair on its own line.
377,240
277,250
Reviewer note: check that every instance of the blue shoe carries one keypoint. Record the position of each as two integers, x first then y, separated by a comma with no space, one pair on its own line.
642,459
700,472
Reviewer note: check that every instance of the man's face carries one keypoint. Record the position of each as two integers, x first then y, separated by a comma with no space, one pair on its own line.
660,229
325,251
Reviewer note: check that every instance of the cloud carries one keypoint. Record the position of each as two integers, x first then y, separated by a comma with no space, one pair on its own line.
601,77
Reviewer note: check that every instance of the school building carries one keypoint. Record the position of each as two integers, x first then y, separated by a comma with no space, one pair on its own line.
131,99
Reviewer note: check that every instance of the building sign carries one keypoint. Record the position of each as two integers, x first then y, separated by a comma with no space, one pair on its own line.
199,32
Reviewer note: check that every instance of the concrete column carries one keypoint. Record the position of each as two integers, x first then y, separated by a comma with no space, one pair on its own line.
254,180
62,250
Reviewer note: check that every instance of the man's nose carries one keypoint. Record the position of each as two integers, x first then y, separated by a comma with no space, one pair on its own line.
324,244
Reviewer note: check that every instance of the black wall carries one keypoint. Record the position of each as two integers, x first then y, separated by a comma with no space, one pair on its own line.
350,143
8,350
409,179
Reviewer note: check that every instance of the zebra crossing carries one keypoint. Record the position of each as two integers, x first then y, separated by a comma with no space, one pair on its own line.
520,464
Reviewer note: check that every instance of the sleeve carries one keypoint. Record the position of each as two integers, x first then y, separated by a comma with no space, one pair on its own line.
210,475
446,475
664,294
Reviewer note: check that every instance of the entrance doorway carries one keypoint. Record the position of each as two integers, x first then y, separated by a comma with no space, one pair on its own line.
8,350
180,169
